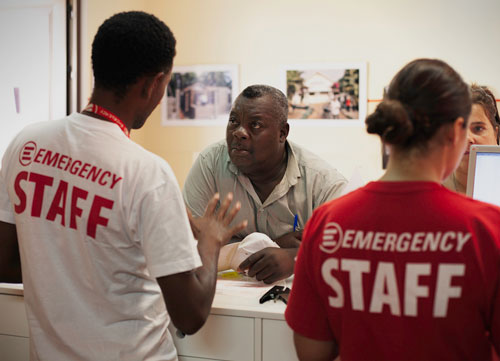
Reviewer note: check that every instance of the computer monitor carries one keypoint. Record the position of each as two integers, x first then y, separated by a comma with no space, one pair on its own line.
483,178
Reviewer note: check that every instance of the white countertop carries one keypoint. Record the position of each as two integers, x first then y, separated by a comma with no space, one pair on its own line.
241,298
12,289
233,297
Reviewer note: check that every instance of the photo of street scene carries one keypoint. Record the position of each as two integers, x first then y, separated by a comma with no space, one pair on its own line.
323,93
199,93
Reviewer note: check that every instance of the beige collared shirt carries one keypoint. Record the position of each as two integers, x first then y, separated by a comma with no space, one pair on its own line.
308,182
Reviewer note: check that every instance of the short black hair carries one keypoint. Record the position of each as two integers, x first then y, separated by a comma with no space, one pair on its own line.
259,90
129,45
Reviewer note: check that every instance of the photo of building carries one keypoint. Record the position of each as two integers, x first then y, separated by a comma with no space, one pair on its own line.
199,95
323,93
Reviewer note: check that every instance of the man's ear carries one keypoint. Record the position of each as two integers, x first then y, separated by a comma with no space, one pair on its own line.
151,83
285,128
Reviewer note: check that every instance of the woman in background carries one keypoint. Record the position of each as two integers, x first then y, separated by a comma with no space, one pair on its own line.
403,268
484,123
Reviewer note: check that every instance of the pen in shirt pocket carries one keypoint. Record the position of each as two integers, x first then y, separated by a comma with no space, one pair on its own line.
295,222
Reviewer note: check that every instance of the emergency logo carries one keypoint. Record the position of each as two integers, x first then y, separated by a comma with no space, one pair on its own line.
27,153
332,238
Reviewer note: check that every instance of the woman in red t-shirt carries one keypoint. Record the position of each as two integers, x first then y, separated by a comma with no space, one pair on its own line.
403,268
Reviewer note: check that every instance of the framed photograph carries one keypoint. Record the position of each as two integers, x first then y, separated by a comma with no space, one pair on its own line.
200,95
323,94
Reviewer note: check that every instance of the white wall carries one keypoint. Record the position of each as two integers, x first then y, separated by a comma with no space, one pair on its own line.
262,35
32,61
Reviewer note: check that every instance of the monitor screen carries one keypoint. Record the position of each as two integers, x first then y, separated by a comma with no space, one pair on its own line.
486,177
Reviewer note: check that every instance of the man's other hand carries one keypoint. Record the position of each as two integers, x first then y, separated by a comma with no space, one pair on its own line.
215,225
270,264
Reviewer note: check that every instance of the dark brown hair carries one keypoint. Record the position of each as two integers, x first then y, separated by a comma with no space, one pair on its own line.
423,96
482,96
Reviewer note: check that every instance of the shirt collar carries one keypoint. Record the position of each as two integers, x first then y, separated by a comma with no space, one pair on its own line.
292,173
231,165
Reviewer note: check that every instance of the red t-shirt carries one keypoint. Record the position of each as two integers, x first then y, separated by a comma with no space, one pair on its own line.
400,271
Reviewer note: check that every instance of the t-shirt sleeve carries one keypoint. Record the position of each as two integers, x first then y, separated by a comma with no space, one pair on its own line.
167,240
305,313
329,186
6,207
495,321
199,186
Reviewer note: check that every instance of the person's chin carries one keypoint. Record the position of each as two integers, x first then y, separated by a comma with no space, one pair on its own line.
240,160
139,123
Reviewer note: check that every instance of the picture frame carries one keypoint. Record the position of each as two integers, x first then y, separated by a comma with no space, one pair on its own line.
199,95
326,93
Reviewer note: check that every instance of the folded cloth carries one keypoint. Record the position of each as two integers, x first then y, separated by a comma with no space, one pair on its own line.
231,255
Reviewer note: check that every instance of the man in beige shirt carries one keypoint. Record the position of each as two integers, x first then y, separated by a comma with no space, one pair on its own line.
275,180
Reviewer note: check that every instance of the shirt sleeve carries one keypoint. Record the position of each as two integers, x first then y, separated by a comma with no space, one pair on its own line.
6,207
305,312
330,186
167,240
495,320
200,185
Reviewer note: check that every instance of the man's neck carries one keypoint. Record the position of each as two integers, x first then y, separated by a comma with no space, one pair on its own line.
121,108
265,182
273,175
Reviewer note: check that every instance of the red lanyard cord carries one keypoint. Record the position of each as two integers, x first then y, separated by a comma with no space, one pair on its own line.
96,109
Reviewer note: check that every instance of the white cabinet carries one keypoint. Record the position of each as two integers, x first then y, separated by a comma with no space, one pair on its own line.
234,338
13,316
221,338
14,332
277,341
238,329
14,348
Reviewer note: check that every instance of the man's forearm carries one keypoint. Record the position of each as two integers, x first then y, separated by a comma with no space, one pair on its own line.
189,295
207,274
